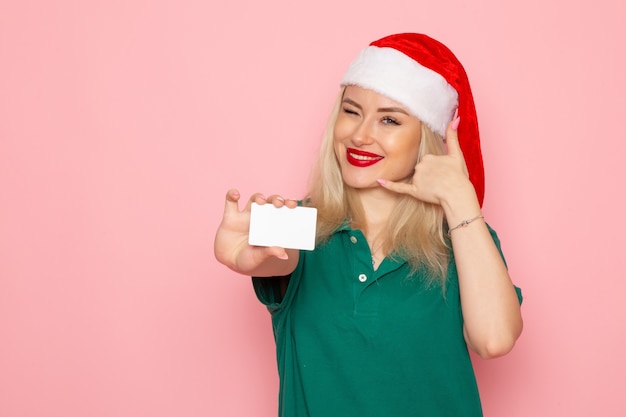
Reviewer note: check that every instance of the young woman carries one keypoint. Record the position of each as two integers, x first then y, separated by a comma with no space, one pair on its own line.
406,274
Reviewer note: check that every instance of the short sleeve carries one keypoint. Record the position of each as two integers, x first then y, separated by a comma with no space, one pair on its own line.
267,291
496,240
519,294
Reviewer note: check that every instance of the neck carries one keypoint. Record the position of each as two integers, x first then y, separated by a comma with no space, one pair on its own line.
378,204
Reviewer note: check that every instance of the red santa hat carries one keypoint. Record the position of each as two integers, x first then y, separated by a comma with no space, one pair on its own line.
423,75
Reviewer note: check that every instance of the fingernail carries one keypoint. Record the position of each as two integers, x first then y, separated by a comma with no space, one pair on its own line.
381,182
455,123
284,257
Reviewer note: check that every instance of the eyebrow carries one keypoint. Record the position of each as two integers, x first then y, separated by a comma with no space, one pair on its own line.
380,110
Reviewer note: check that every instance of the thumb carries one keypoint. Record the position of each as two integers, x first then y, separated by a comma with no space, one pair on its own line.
232,201
452,137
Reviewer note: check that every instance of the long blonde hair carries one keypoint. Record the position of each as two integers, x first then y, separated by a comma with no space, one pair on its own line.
414,230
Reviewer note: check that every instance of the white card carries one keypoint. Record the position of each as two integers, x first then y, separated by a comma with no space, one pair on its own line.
289,228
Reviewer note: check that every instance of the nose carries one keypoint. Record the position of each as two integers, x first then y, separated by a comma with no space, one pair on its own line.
363,134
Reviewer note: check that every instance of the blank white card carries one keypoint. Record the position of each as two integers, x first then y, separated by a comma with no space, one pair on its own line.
289,228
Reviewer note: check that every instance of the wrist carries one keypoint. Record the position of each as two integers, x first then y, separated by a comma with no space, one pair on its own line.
461,205
464,223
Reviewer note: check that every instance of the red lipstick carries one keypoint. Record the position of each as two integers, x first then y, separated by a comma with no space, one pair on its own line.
361,159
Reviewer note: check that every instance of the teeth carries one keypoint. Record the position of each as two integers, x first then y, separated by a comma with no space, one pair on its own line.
363,157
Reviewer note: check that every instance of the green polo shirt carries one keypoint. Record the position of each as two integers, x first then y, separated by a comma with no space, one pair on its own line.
354,341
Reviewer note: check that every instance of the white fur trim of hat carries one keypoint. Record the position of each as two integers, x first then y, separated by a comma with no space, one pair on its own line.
425,93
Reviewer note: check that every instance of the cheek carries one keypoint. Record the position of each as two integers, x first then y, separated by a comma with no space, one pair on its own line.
415,149
412,144
336,149
407,151
339,135
336,143
341,129
407,145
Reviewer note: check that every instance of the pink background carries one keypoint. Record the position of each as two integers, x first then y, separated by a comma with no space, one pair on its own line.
124,122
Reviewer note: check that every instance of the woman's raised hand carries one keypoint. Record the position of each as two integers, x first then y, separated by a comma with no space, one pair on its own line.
439,179
231,240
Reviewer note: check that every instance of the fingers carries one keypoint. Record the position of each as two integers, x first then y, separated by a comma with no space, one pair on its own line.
233,197
396,187
257,198
232,201
279,201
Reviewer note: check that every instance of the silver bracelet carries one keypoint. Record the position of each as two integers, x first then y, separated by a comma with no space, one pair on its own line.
464,223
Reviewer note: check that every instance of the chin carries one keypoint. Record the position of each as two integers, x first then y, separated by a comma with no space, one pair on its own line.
360,184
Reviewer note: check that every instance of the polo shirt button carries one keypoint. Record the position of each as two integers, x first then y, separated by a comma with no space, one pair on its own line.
352,239
362,277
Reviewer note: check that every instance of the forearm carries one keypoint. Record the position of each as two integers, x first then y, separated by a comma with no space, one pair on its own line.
489,302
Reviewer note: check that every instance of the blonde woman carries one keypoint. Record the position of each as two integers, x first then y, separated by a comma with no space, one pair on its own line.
406,275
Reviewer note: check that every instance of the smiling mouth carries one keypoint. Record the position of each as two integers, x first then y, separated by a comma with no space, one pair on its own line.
362,159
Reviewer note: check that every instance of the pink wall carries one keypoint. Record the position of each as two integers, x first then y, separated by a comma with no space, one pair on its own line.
122,124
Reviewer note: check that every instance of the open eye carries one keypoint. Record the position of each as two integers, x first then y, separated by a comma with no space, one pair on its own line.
388,120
